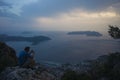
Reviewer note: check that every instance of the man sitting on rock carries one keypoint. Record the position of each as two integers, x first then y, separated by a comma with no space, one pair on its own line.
26,58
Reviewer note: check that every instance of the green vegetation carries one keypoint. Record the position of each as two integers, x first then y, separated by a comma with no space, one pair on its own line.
114,32
107,69
72,75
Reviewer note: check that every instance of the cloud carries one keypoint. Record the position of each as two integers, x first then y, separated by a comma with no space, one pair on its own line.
79,20
59,14
35,8
4,7
115,8
54,7
13,6
2,3
10,15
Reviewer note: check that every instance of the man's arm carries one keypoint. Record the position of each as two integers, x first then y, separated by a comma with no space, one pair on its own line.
32,53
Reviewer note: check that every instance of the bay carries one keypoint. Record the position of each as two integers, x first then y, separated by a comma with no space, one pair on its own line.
64,48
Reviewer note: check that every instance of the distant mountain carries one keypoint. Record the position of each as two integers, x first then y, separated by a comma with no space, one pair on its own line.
87,33
35,39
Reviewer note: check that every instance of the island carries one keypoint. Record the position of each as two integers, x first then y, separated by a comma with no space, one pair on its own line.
35,39
87,33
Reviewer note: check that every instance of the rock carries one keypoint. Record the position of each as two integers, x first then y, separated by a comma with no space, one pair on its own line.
17,73
9,70
7,56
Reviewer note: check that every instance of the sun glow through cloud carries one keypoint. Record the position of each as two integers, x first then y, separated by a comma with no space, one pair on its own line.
62,15
78,20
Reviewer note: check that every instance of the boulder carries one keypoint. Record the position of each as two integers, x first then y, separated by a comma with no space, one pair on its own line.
8,56
17,73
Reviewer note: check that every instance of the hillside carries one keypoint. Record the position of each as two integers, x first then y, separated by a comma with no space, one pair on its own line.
35,39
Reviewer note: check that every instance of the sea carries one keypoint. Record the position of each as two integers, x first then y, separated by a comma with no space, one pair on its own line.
64,48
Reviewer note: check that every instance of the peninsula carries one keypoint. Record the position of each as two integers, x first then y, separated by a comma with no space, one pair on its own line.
34,40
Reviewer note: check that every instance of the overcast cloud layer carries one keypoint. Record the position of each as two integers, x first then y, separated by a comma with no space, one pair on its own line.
58,14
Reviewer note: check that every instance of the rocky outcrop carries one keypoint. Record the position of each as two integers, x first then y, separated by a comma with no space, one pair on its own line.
7,56
16,73
9,70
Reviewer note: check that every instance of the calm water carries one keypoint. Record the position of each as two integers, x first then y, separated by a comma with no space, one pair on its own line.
68,48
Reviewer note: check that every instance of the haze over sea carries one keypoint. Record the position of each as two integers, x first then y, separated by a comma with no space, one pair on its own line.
64,48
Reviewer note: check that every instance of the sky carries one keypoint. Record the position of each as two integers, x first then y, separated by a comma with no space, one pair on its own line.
59,15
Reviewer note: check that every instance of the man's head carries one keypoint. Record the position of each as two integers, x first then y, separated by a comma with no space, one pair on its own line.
27,49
